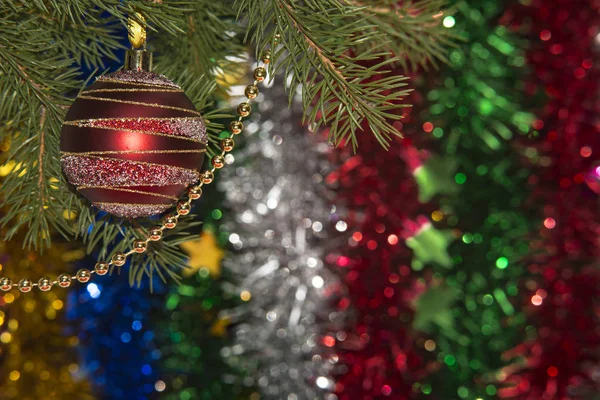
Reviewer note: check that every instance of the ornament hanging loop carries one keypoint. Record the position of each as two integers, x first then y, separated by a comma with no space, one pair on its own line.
137,31
137,58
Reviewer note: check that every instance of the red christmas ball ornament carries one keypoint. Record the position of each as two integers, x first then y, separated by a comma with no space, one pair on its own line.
132,143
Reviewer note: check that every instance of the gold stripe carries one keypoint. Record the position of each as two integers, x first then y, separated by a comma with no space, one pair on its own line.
137,162
165,90
118,188
111,128
109,80
137,103
92,153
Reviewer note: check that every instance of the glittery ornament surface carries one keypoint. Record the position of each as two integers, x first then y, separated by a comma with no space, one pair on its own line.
144,77
132,143
193,128
85,170
132,210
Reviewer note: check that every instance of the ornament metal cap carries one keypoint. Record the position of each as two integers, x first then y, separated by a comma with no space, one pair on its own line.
138,60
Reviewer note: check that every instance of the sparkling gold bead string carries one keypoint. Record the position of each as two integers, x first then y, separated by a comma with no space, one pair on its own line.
169,221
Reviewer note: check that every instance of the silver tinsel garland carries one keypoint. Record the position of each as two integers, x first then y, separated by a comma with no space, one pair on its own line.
280,226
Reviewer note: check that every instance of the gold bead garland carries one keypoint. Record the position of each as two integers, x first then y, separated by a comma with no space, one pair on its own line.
169,221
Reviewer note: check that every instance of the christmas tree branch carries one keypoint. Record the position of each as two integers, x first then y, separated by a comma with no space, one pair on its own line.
342,55
208,44
162,16
413,30
32,113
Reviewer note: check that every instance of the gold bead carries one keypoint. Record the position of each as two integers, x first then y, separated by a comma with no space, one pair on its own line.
236,127
170,221
260,73
251,92
25,285
101,268
5,284
218,161
227,144
266,57
64,280
195,192
140,246
83,275
155,234
119,259
207,177
244,109
45,284
183,208
277,38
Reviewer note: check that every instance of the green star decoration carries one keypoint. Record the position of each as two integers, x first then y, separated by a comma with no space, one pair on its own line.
434,307
430,245
436,176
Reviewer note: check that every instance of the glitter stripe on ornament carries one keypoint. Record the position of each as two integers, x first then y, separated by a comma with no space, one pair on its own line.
139,77
171,159
90,170
190,127
131,210
113,84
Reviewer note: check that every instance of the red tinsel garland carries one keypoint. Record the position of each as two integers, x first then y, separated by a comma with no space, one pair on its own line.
562,360
380,351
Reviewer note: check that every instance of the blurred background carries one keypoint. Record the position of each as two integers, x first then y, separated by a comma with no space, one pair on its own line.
461,263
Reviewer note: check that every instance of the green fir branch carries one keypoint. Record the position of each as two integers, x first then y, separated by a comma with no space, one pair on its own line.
342,54
413,30
208,47
32,110
161,16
